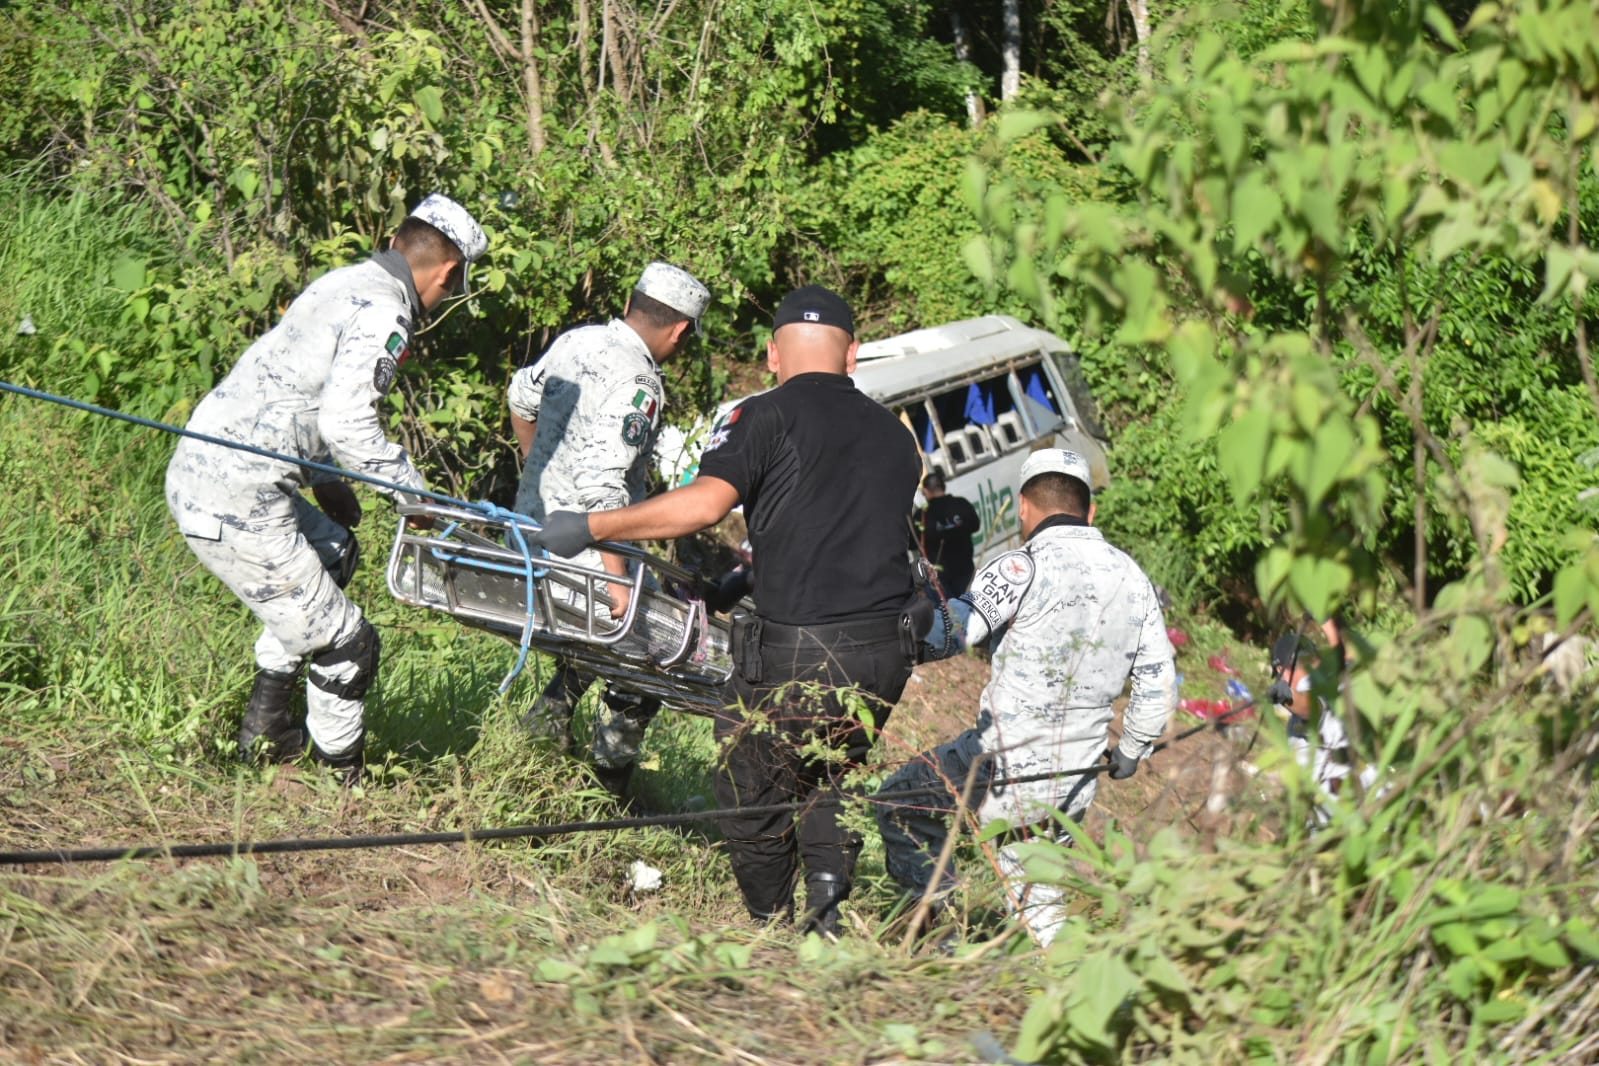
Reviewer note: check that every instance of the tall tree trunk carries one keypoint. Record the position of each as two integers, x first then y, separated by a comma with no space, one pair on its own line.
1140,12
532,83
613,46
1010,82
583,16
523,54
963,53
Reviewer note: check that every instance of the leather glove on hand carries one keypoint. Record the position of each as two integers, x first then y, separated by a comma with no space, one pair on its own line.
565,533
1280,693
1122,765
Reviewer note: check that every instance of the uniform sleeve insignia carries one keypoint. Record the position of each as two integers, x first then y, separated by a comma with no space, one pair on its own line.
397,347
1016,567
646,403
635,427
383,375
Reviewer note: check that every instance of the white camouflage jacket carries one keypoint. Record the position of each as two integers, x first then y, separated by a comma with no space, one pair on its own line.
1070,619
596,399
308,388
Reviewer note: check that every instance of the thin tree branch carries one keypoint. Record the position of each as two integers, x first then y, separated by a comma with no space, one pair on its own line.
1573,237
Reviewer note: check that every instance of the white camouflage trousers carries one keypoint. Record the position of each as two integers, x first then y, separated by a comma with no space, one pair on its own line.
914,831
284,573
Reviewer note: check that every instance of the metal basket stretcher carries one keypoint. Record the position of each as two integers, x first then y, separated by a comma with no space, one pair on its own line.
471,565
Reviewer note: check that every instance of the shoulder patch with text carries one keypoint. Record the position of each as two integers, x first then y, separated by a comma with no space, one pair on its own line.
998,588
635,427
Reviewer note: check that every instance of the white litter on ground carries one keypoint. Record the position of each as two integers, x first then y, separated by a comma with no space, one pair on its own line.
643,877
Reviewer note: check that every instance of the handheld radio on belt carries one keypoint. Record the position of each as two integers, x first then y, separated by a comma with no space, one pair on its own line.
927,606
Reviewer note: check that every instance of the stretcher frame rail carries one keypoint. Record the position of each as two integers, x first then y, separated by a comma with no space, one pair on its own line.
470,565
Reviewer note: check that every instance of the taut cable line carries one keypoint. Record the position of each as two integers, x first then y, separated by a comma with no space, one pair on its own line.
531,832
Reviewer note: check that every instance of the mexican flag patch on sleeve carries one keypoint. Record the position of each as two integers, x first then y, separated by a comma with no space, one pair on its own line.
646,403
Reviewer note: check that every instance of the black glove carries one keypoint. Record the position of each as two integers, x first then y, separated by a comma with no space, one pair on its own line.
565,533
1281,693
733,586
337,500
1122,765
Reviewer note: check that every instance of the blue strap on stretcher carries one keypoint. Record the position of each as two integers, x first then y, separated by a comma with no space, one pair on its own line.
527,571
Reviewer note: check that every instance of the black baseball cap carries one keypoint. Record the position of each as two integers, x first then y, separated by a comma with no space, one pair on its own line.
814,303
1291,649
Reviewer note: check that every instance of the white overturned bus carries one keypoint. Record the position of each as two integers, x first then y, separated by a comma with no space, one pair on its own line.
978,395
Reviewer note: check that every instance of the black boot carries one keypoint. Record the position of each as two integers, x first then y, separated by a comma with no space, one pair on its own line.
350,766
780,916
823,893
268,731
614,779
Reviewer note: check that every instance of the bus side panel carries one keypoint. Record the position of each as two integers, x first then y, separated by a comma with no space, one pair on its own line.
991,489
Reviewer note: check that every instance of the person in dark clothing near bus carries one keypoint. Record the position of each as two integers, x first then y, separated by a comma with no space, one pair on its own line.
947,527
827,477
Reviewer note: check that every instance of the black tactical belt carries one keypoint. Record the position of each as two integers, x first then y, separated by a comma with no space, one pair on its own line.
866,631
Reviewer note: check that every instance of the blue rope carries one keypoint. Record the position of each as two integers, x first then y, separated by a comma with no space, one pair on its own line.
484,507
528,575
526,571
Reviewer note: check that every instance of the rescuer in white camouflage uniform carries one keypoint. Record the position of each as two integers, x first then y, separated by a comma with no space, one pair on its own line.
309,388
585,416
1070,619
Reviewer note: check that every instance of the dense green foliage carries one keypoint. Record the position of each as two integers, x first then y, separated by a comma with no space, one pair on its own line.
1346,251
760,146
1327,266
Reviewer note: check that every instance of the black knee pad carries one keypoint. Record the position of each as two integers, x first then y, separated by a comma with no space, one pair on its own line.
362,648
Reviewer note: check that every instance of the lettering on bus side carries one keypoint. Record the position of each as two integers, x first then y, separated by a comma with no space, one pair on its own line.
996,506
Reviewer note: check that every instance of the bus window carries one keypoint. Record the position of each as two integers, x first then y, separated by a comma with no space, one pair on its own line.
1010,430
919,418
1038,400
1081,411
980,420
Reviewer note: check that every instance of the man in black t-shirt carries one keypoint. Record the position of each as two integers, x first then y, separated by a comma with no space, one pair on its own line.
827,477
948,525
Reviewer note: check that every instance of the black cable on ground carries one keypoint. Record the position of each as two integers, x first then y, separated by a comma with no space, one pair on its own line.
531,832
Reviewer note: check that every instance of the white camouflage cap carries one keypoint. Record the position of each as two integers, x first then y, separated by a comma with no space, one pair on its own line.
456,223
1057,461
676,288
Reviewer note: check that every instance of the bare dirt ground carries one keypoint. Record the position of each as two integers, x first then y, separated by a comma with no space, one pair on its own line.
1189,784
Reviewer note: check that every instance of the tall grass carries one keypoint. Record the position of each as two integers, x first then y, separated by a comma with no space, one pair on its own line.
67,255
